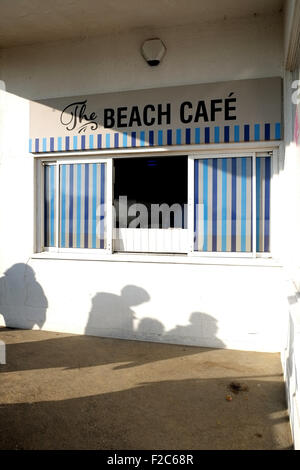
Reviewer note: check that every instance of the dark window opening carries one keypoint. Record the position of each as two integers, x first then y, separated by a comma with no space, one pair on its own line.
142,184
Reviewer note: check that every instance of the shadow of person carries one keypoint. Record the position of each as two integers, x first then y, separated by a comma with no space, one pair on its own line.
112,315
201,331
150,329
23,303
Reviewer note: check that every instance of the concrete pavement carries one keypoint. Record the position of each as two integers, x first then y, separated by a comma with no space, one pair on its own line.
61,391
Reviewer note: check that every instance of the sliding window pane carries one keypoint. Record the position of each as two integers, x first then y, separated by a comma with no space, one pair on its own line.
223,205
82,205
49,205
263,179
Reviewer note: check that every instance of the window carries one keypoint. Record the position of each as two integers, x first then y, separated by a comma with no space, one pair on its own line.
150,198
224,206
76,205
263,184
151,182
50,216
82,205
201,205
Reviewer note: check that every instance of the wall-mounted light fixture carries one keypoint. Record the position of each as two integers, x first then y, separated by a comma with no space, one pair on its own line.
153,51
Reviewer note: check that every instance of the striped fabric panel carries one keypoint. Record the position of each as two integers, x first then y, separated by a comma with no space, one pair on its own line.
263,180
223,211
144,138
49,205
82,205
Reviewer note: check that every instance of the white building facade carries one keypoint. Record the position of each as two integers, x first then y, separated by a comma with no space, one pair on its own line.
214,128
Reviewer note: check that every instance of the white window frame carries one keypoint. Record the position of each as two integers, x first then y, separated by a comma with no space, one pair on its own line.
40,205
192,152
191,202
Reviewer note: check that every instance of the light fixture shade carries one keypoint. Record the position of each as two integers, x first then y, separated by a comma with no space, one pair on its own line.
153,51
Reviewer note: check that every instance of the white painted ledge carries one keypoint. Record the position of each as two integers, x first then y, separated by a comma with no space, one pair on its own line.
161,258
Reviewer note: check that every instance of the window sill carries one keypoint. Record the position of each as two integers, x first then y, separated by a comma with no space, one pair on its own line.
160,259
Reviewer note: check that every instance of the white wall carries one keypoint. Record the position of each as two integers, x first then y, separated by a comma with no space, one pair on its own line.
290,165
291,221
16,181
232,306
229,50
290,169
290,362
291,161
238,307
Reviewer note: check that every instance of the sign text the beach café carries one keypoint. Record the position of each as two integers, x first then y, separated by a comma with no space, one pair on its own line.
238,111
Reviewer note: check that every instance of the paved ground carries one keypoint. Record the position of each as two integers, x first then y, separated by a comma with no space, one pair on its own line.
62,391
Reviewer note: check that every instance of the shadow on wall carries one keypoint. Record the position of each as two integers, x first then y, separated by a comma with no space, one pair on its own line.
112,313
113,316
23,303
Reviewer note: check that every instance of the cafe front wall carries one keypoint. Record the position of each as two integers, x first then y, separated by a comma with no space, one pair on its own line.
92,138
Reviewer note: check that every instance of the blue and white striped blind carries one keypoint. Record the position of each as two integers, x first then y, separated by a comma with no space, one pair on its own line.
223,196
223,204
82,189
50,205
263,178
